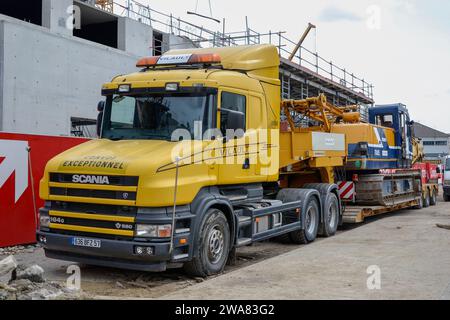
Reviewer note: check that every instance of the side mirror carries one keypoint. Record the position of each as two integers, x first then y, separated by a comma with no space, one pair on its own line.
411,123
100,109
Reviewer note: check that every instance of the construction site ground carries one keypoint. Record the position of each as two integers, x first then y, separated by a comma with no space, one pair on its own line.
407,249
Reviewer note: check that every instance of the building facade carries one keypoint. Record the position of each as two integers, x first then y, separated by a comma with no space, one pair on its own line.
436,143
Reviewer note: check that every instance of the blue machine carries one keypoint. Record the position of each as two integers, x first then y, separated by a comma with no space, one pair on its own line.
395,116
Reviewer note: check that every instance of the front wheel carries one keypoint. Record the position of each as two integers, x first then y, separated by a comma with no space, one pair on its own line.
211,247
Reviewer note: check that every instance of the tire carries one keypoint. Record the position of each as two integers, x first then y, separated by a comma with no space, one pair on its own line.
330,224
446,198
211,247
420,205
433,198
426,199
311,224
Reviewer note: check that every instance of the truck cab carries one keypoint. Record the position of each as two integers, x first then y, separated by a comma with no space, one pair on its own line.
446,180
396,117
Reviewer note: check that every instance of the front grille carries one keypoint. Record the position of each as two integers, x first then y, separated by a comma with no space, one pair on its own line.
103,221
123,181
92,223
106,209
91,193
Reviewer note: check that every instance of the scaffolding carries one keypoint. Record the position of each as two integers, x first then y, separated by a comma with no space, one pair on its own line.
107,5
307,75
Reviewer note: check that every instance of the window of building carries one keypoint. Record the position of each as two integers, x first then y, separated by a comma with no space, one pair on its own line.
25,10
428,143
97,26
441,143
157,43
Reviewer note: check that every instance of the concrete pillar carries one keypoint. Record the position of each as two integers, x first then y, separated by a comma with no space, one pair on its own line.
135,37
55,14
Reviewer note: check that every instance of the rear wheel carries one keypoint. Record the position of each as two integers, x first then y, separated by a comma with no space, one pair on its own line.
331,216
311,224
433,197
211,247
426,199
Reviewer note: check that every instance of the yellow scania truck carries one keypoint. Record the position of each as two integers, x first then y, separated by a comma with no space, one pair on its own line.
197,156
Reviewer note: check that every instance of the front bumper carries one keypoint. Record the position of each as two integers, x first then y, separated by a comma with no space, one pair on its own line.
113,253
120,252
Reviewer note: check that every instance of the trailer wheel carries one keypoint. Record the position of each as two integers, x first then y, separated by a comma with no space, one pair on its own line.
426,199
311,224
433,198
420,204
331,216
211,246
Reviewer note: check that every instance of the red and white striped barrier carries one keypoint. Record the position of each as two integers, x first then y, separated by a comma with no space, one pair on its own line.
22,162
347,190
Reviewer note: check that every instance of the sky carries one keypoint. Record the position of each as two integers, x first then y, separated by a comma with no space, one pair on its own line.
402,47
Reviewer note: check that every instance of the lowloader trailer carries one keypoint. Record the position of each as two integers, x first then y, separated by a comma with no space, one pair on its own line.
199,156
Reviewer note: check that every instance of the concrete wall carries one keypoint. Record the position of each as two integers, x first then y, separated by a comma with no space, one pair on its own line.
172,42
135,37
49,78
55,15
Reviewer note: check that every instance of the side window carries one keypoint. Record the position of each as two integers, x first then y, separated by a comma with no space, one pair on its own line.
233,113
386,120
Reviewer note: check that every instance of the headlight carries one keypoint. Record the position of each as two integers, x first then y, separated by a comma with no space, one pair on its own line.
153,231
44,221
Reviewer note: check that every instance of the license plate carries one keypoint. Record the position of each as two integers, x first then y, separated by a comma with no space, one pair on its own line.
89,243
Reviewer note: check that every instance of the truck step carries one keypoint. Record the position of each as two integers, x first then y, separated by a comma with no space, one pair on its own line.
243,242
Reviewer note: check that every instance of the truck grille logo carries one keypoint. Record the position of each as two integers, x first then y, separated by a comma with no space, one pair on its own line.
83,179
124,226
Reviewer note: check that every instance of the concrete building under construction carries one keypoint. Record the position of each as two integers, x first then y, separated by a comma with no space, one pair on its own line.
55,55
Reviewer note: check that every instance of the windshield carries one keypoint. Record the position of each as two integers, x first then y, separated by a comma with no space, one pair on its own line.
157,116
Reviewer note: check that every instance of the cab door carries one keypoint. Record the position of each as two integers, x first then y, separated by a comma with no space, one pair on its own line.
235,165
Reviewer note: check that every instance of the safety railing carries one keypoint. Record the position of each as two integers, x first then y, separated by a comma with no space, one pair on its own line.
203,37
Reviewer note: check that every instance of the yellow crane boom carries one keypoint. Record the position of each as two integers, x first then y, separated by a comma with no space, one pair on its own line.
319,110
